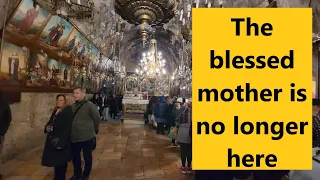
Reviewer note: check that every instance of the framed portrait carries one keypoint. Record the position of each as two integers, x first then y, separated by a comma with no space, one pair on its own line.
28,19
56,32
13,63
73,41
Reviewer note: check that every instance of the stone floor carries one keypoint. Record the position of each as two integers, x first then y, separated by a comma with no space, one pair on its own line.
127,151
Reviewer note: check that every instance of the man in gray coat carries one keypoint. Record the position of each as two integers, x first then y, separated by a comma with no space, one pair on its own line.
85,125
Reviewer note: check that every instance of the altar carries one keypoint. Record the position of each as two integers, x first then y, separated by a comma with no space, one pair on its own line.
137,90
134,105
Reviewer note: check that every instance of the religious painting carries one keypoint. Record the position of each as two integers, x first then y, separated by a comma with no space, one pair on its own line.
37,67
66,72
66,75
56,32
53,69
73,40
13,63
83,48
131,82
28,19
37,60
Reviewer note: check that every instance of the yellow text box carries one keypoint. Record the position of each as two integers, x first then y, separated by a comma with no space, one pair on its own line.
291,30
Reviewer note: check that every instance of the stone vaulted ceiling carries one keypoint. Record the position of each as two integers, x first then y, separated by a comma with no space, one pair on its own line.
131,45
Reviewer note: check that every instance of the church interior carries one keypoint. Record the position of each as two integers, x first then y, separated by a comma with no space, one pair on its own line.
123,56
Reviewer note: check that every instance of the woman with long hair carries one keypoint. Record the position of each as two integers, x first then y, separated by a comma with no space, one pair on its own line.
57,149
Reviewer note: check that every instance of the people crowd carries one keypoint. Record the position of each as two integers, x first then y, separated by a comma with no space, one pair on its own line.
70,130
73,129
167,115
108,106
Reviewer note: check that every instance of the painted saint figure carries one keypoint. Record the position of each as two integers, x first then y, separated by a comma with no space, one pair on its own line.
58,35
71,44
81,53
75,49
53,71
13,66
28,20
53,32
65,74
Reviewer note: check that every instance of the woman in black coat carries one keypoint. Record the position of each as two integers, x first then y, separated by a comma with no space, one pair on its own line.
113,107
57,149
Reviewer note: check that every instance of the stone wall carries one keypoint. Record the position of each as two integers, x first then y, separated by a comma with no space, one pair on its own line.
29,117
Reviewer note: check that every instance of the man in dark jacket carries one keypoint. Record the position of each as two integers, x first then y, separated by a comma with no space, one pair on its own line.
159,115
168,114
85,126
113,106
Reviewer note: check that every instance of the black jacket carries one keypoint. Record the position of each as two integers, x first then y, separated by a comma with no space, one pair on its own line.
5,116
61,129
97,102
168,113
112,103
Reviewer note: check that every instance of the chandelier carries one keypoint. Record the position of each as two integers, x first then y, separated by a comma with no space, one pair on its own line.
152,65
68,9
146,13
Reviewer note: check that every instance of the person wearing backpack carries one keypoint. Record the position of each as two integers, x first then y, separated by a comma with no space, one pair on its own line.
160,116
